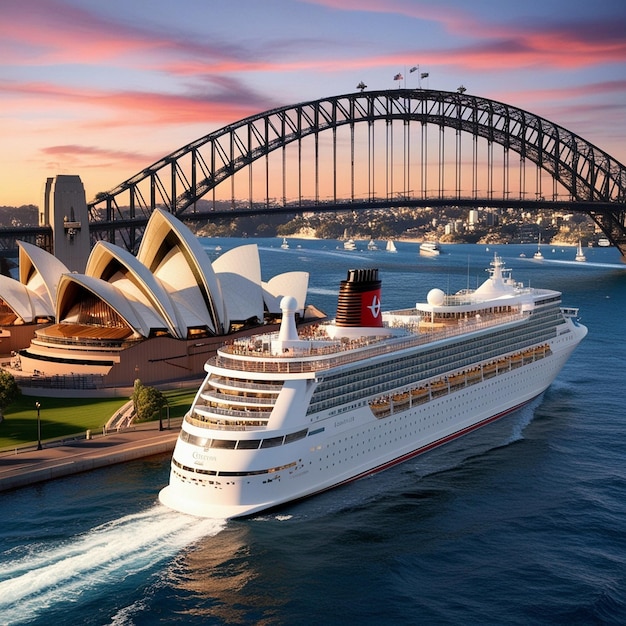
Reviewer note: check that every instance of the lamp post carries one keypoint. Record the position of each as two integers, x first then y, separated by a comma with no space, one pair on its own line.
38,407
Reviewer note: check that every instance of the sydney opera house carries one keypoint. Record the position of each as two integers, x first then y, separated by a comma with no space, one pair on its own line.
156,316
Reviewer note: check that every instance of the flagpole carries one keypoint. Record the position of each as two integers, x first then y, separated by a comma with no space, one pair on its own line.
413,69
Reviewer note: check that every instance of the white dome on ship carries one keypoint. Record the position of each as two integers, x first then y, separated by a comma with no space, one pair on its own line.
435,297
288,304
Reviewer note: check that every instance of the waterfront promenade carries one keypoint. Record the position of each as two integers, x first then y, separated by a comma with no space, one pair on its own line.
26,467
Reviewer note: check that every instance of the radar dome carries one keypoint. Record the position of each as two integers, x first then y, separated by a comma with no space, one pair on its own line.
435,297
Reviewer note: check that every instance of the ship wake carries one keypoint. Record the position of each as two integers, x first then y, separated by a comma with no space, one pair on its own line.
52,574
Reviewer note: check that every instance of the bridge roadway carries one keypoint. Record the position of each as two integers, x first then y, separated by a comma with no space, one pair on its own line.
24,467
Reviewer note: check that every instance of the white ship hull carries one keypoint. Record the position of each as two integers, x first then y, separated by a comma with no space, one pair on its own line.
287,417
353,443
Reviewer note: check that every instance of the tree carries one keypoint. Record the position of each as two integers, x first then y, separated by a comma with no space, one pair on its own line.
148,401
137,385
9,391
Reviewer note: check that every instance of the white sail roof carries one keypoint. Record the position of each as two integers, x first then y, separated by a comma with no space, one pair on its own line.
40,272
169,287
17,297
109,294
239,273
294,284
121,268
175,256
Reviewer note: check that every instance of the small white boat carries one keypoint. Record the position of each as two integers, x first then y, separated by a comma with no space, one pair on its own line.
538,255
579,253
603,242
391,246
430,248
285,244
349,245
371,245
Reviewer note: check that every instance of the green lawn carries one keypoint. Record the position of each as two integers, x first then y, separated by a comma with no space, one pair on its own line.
62,417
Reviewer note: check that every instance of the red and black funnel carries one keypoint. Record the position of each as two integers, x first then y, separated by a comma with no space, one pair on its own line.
359,300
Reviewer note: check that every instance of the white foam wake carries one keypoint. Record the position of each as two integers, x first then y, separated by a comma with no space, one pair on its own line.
321,291
524,417
103,556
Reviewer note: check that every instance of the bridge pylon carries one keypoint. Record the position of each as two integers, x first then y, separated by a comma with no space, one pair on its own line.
64,209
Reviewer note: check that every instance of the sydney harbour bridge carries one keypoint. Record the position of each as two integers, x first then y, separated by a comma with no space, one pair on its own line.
372,149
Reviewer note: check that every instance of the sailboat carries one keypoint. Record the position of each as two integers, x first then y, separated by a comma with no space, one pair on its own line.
538,254
285,244
579,253
391,246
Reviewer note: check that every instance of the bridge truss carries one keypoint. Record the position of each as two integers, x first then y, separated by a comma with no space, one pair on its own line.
402,147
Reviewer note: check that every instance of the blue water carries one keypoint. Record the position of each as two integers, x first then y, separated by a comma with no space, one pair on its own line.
521,522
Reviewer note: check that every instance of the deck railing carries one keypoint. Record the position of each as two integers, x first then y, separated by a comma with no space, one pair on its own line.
340,353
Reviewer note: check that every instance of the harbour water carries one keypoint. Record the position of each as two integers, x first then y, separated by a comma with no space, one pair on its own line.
521,522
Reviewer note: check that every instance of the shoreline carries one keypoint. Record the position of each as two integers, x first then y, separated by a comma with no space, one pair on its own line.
306,237
36,466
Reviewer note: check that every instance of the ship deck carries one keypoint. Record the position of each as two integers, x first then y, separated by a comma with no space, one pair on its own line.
317,353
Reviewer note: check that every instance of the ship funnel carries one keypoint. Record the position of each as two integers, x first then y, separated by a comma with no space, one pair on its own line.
359,300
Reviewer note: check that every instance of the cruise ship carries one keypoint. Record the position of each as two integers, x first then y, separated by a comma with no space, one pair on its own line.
286,415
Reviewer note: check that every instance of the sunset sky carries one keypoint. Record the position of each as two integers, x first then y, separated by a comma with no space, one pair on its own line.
104,89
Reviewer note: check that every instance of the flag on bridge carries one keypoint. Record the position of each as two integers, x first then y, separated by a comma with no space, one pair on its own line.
414,68
424,75
398,77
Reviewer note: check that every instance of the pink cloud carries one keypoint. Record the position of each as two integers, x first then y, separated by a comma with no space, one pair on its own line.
560,47
68,153
50,32
602,88
558,44
228,102
53,32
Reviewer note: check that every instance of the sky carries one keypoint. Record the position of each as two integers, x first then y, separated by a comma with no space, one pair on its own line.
103,89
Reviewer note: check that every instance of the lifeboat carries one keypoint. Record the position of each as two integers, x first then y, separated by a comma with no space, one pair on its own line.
473,375
489,370
419,393
438,388
457,381
401,401
380,408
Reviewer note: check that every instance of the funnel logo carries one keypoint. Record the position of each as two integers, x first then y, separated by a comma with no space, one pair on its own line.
371,309
375,306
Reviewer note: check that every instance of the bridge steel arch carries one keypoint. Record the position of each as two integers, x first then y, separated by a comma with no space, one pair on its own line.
583,177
